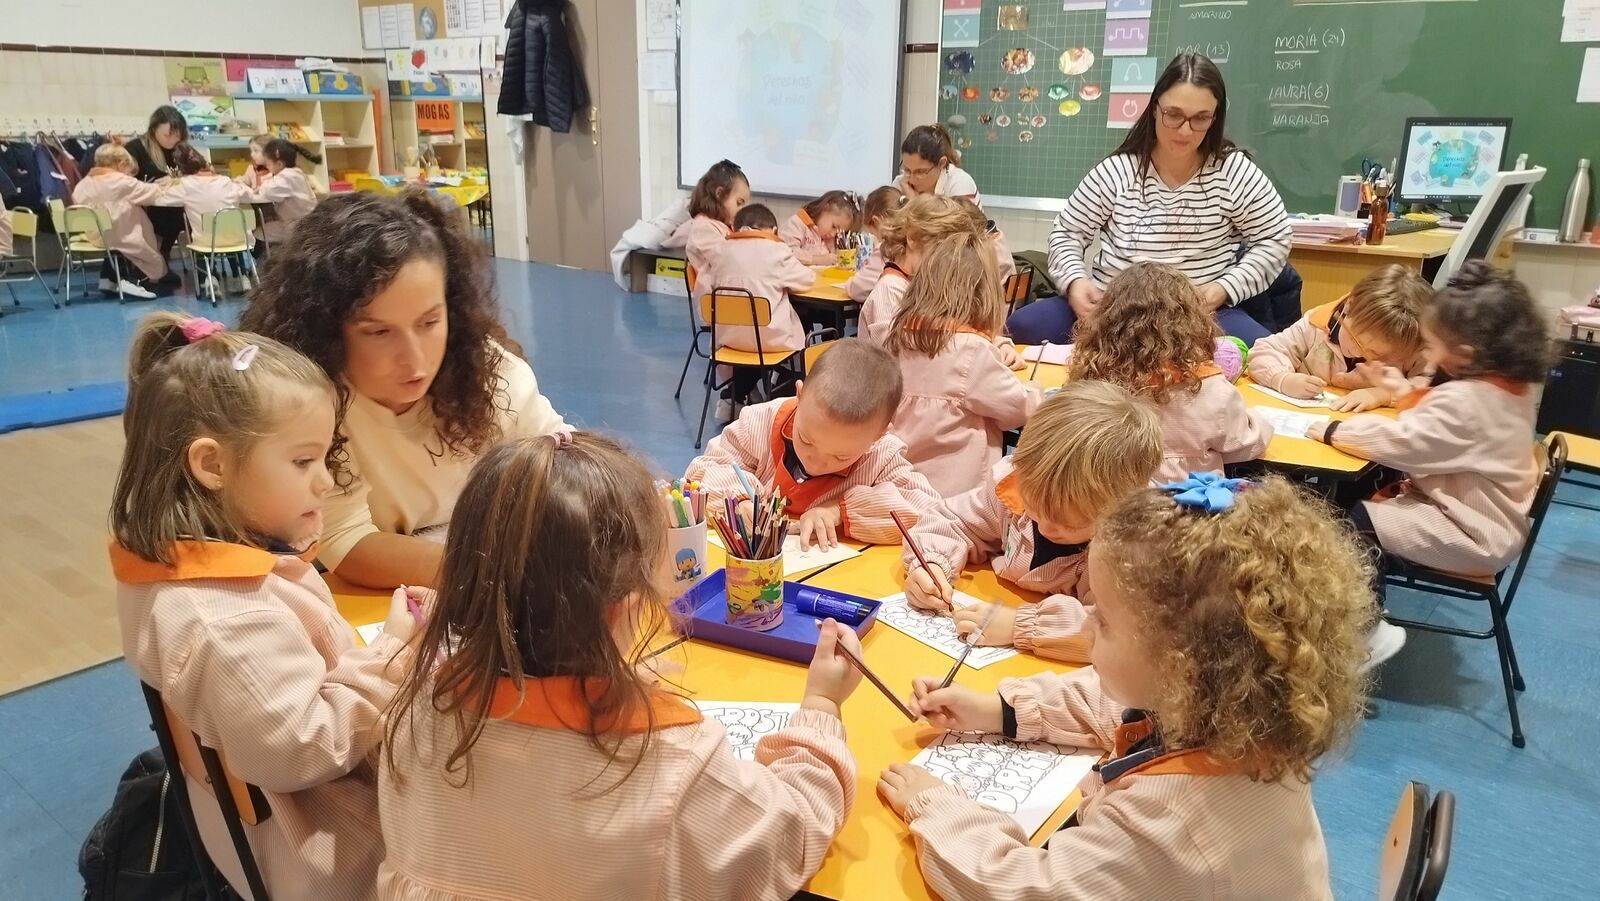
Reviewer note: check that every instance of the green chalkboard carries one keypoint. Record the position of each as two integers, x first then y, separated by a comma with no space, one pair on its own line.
1314,85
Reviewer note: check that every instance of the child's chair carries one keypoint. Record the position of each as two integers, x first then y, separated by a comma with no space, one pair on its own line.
82,232
1416,852
1553,458
1019,287
738,307
696,331
225,233
241,803
24,224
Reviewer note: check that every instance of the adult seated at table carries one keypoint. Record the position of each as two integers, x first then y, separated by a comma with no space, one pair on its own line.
390,295
1178,192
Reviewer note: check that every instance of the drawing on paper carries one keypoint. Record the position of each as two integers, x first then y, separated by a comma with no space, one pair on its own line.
747,723
938,631
1024,780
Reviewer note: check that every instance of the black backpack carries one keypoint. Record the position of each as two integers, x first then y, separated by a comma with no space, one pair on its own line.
139,850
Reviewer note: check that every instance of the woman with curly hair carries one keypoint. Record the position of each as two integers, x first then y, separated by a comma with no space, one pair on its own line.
1152,336
1227,645
389,295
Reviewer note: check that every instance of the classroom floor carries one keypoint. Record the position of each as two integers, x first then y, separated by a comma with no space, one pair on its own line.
608,360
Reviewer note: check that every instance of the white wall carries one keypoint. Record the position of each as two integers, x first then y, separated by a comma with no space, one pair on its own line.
324,27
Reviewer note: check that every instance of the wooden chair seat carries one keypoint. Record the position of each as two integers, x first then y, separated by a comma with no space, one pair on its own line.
728,356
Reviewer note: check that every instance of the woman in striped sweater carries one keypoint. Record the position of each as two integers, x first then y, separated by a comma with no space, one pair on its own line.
1176,192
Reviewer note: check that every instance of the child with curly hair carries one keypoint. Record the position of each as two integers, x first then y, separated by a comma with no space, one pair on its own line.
1152,336
1227,644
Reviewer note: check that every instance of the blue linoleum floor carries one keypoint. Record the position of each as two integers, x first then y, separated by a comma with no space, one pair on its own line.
1526,820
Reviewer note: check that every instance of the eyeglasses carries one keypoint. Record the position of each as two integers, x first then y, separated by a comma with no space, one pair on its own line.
917,173
1174,119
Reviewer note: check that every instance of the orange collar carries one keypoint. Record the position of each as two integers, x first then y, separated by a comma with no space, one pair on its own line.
1192,762
759,233
1322,317
1196,371
1515,388
196,560
557,702
894,267
801,495
919,324
804,217
1010,494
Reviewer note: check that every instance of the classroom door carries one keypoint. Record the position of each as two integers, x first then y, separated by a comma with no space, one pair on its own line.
583,186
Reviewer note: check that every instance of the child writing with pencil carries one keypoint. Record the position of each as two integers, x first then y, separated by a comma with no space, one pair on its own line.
1226,641
718,196
827,451
880,205
1377,322
1086,448
961,396
111,184
812,230
753,259
1465,446
541,759
906,236
1151,335
215,515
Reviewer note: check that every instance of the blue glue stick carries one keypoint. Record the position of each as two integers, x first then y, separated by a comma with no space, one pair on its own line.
822,604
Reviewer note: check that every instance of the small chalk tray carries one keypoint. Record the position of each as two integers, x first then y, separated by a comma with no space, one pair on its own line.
701,612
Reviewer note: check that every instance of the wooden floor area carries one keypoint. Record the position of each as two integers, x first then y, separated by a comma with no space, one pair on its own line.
59,614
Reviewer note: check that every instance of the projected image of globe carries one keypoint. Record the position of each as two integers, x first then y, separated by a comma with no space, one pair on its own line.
802,102
1451,161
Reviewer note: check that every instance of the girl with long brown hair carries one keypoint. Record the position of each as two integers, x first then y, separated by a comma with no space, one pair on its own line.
541,758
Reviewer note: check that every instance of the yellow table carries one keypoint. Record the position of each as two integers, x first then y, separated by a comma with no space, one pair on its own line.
873,858
828,297
1330,270
1302,453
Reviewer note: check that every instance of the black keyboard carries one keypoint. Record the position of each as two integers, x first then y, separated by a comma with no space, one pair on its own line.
1407,226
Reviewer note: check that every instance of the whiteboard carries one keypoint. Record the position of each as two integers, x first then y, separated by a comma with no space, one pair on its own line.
803,94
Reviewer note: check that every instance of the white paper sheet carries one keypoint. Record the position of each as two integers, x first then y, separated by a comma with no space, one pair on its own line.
371,28
472,12
1321,400
369,632
796,560
747,722
1053,353
1589,80
1581,27
1290,424
455,18
405,16
389,26
658,70
1027,780
938,631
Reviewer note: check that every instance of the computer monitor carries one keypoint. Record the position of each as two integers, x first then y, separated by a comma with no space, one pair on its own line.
1444,160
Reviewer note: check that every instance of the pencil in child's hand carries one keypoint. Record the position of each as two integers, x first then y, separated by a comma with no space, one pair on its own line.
972,642
912,543
878,683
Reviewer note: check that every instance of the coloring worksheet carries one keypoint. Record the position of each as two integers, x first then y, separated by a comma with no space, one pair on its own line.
1288,424
747,722
1027,780
938,630
370,632
796,560
1321,400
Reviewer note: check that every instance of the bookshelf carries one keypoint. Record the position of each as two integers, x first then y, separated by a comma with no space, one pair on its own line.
340,128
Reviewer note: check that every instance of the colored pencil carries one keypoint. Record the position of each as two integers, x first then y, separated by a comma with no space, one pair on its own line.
1039,359
912,543
873,678
971,643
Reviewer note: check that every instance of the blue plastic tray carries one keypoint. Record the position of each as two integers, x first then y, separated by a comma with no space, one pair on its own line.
703,608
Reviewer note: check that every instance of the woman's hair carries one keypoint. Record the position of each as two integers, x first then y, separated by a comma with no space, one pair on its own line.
1389,301
1087,447
347,250
713,188
179,391
166,115
1254,619
844,203
189,160
755,215
924,218
1149,334
114,156
957,287
930,142
553,542
881,203
1188,68
1491,312
279,150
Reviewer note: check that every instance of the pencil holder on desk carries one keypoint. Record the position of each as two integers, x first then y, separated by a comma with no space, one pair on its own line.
688,546
755,592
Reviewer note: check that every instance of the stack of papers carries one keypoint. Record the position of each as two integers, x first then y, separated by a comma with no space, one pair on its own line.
1326,229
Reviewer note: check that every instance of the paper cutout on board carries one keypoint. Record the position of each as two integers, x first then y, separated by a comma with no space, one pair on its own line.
1129,9
1075,60
747,722
1017,61
1082,5
1025,780
1028,94
1133,73
1288,423
1125,109
1089,92
960,29
938,631
1127,37
1012,17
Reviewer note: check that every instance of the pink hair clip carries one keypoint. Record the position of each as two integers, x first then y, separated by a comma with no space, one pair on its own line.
199,328
245,356
563,438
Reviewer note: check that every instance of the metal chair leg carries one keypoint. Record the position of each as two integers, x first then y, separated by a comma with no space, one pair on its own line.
705,406
685,374
1503,644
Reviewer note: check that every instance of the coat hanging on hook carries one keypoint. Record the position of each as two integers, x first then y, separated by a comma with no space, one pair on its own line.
543,75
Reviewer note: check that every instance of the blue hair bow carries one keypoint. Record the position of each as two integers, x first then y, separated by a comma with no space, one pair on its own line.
1206,491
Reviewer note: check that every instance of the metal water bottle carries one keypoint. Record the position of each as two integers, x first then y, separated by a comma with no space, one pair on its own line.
1577,206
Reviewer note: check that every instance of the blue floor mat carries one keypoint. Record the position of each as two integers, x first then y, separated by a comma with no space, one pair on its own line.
31,411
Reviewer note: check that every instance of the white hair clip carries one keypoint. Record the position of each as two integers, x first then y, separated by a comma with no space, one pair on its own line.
245,356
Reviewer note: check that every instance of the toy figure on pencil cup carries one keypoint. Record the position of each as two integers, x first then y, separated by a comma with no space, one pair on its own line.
544,728
155,156
1226,647
390,296
1177,192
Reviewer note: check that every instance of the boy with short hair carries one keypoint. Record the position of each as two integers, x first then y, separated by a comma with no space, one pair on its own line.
1084,450
827,450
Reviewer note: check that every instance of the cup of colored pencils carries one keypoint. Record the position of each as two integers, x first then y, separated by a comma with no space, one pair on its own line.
753,537
685,504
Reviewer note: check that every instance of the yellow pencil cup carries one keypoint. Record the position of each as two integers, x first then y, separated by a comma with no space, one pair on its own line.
755,592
